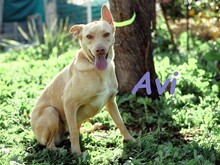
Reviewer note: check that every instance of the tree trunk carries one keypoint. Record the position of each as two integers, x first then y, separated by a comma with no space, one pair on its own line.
133,47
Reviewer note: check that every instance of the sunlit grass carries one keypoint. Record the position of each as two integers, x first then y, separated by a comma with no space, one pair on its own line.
177,129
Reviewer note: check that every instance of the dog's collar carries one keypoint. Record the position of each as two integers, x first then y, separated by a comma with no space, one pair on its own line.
87,51
91,54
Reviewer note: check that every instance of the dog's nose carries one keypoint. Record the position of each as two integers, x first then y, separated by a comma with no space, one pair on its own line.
100,50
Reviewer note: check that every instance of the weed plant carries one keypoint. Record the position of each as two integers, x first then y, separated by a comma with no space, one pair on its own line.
41,43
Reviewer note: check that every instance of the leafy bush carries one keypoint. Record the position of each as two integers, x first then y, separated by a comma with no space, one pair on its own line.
53,41
197,8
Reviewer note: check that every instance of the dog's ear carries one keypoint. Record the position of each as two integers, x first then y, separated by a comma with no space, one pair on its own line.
77,31
106,15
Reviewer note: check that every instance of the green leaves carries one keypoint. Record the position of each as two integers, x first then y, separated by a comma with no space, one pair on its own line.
176,129
44,42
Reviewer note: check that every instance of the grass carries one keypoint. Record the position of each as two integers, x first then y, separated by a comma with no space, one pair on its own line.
177,129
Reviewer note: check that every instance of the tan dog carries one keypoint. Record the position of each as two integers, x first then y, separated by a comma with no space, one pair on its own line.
81,89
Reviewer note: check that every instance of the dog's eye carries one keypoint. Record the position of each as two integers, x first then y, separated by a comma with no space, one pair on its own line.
89,36
106,35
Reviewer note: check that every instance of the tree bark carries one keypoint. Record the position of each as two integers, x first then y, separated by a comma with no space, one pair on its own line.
133,46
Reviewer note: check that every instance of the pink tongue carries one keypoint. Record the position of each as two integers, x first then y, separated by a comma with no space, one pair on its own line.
101,63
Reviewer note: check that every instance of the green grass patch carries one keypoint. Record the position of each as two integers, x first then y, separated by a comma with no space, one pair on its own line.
177,129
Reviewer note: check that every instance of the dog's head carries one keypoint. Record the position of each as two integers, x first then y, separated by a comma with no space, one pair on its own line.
97,38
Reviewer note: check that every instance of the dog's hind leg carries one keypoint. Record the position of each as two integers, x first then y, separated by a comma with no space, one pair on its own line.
47,127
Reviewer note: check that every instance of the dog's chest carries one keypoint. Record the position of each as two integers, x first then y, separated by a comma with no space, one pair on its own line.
98,101
104,91
94,104
98,91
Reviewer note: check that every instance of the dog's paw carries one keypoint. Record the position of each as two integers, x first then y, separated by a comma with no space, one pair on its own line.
130,139
52,146
133,140
78,153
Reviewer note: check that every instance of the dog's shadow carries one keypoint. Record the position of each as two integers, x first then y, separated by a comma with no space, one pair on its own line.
38,154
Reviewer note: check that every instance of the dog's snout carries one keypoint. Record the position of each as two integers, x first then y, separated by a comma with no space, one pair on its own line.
100,50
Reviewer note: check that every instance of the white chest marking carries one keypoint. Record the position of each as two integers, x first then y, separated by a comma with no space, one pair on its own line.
102,97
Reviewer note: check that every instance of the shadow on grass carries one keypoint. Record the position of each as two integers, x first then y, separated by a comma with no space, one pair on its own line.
38,154
164,147
159,141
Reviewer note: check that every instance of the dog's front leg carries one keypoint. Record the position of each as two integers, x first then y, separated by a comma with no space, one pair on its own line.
71,114
112,108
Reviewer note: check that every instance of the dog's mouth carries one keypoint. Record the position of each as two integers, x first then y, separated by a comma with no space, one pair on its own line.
100,61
